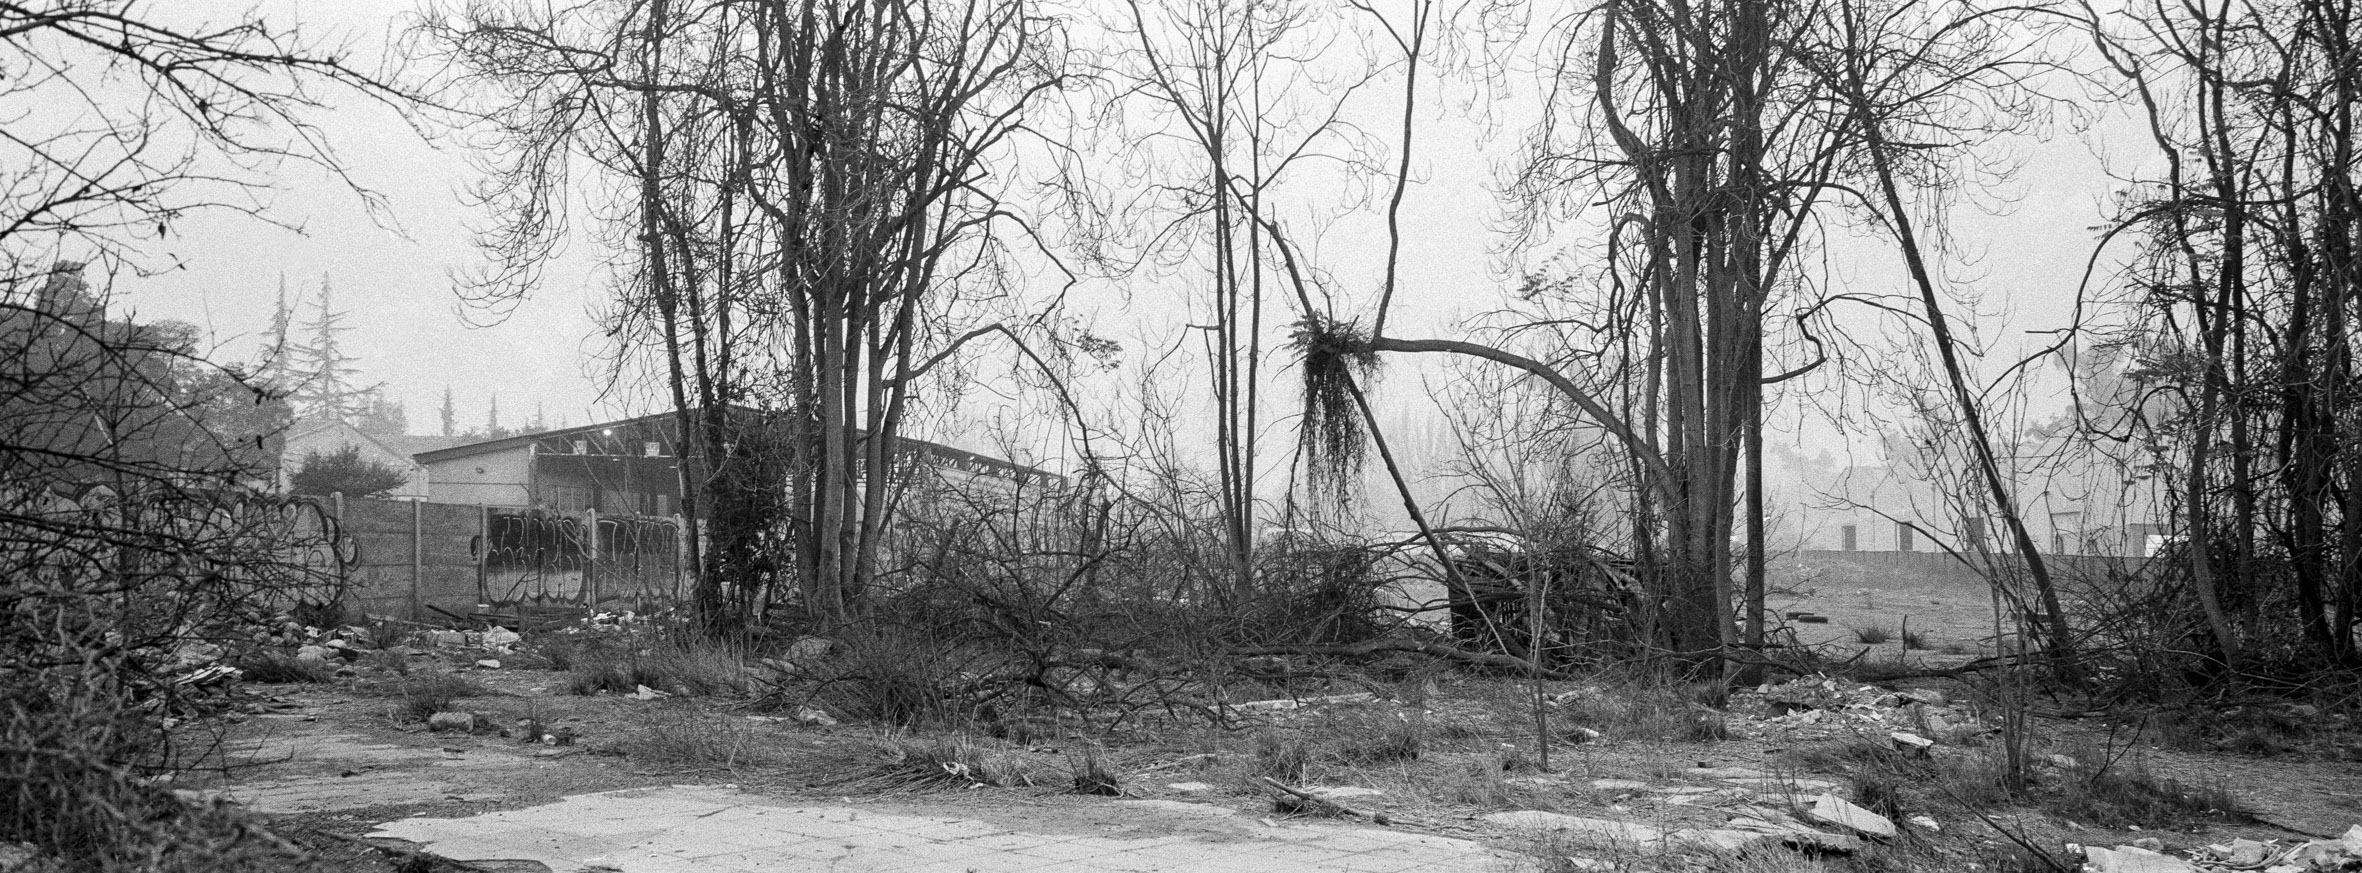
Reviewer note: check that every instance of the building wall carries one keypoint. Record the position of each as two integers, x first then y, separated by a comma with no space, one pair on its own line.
334,438
502,478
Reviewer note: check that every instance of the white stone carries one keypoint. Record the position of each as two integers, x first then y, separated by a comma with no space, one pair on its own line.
489,663
1345,792
1829,809
1190,787
1908,742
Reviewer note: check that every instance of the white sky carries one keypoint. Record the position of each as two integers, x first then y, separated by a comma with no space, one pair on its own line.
409,332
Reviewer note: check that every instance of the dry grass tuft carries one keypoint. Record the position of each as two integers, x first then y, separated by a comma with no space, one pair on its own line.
682,738
273,668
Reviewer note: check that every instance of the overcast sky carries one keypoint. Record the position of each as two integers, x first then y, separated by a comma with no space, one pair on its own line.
393,273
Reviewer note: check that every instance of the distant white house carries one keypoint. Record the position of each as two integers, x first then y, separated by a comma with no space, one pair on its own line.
329,436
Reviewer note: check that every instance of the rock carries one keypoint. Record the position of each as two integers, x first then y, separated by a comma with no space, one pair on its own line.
813,716
1926,696
451,721
809,650
1794,835
1911,743
1619,785
1926,822
312,654
2064,763
489,663
446,638
2352,840
560,736
1345,792
501,638
1536,820
2244,852
1190,787
2131,859
1829,809
647,693
2152,844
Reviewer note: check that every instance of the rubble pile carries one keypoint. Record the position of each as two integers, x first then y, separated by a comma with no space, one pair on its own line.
2266,856
1922,717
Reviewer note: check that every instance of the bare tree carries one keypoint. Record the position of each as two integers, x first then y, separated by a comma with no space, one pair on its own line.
814,190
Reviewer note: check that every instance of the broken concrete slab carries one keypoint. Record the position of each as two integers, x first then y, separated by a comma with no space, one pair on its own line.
2132,859
1537,820
711,829
1831,810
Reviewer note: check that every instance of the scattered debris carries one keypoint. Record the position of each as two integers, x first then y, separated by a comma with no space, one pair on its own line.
813,716
1911,743
647,693
2270,856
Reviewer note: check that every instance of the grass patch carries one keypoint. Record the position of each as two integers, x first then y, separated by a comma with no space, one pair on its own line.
1897,785
1396,739
1915,640
1281,757
670,666
1091,776
1871,635
1646,709
417,697
938,764
2125,792
688,738
273,668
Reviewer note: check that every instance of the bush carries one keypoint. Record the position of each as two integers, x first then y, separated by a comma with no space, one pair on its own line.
273,668
1872,635
684,738
673,666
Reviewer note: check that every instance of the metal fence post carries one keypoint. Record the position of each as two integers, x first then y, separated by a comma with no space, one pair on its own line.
417,556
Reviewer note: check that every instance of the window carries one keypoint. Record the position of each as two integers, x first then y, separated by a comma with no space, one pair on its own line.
1973,530
652,449
1902,537
1852,536
581,447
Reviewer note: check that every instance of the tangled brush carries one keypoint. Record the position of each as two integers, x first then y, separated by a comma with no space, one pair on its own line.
1332,434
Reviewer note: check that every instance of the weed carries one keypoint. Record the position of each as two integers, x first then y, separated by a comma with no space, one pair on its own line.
1647,709
896,676
1400,739
1916,640
686,738
2127,793
671,666
1484,785
940,763
1091,776
1281,757
272,668
422,696
1871,635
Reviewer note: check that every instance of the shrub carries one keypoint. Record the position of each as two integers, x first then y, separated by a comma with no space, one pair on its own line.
687,738
273,668
1872,635
1281,757
422,696
673,666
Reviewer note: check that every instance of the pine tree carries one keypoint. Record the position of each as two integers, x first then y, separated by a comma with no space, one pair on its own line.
275,371
450,415
327,388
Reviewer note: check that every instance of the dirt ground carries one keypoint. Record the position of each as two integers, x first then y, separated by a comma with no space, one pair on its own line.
329,761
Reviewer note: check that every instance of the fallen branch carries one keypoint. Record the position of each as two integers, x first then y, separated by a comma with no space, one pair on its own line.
1439,650
1323,806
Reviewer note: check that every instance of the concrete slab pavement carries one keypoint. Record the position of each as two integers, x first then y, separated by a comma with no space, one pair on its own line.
718,830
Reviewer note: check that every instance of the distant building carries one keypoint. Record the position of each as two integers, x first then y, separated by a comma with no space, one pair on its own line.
631,467
2072,500
329,436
